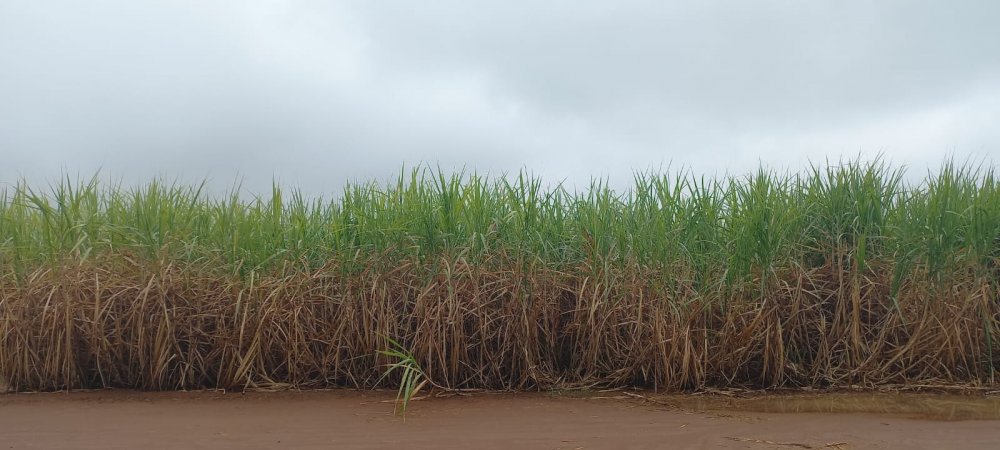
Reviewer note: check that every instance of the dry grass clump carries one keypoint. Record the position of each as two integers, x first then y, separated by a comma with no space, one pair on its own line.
844,275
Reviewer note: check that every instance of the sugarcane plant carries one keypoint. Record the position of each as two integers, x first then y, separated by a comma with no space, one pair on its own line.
413,378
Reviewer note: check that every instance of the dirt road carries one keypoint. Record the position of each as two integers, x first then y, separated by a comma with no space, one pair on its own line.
361,420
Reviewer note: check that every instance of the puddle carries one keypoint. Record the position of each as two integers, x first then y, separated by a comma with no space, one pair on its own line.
913,405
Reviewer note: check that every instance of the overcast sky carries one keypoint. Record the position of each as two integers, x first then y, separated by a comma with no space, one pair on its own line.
314,93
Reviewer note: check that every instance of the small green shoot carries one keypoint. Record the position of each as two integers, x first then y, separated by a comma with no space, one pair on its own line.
413,378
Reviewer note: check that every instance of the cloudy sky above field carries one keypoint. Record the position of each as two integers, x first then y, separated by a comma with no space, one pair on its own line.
314,93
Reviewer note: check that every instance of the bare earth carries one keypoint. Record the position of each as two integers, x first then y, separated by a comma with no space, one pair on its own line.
363,420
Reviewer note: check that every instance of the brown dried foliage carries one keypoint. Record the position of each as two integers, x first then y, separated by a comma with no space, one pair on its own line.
108,322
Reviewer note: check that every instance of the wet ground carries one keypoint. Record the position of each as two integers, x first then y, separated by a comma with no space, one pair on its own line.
931,406
594,420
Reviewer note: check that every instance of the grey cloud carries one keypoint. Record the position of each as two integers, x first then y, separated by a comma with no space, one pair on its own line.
317,93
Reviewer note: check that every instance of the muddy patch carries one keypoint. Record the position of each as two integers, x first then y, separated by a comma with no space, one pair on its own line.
945,407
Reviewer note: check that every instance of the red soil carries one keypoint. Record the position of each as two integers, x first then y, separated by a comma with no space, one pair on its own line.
349,419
